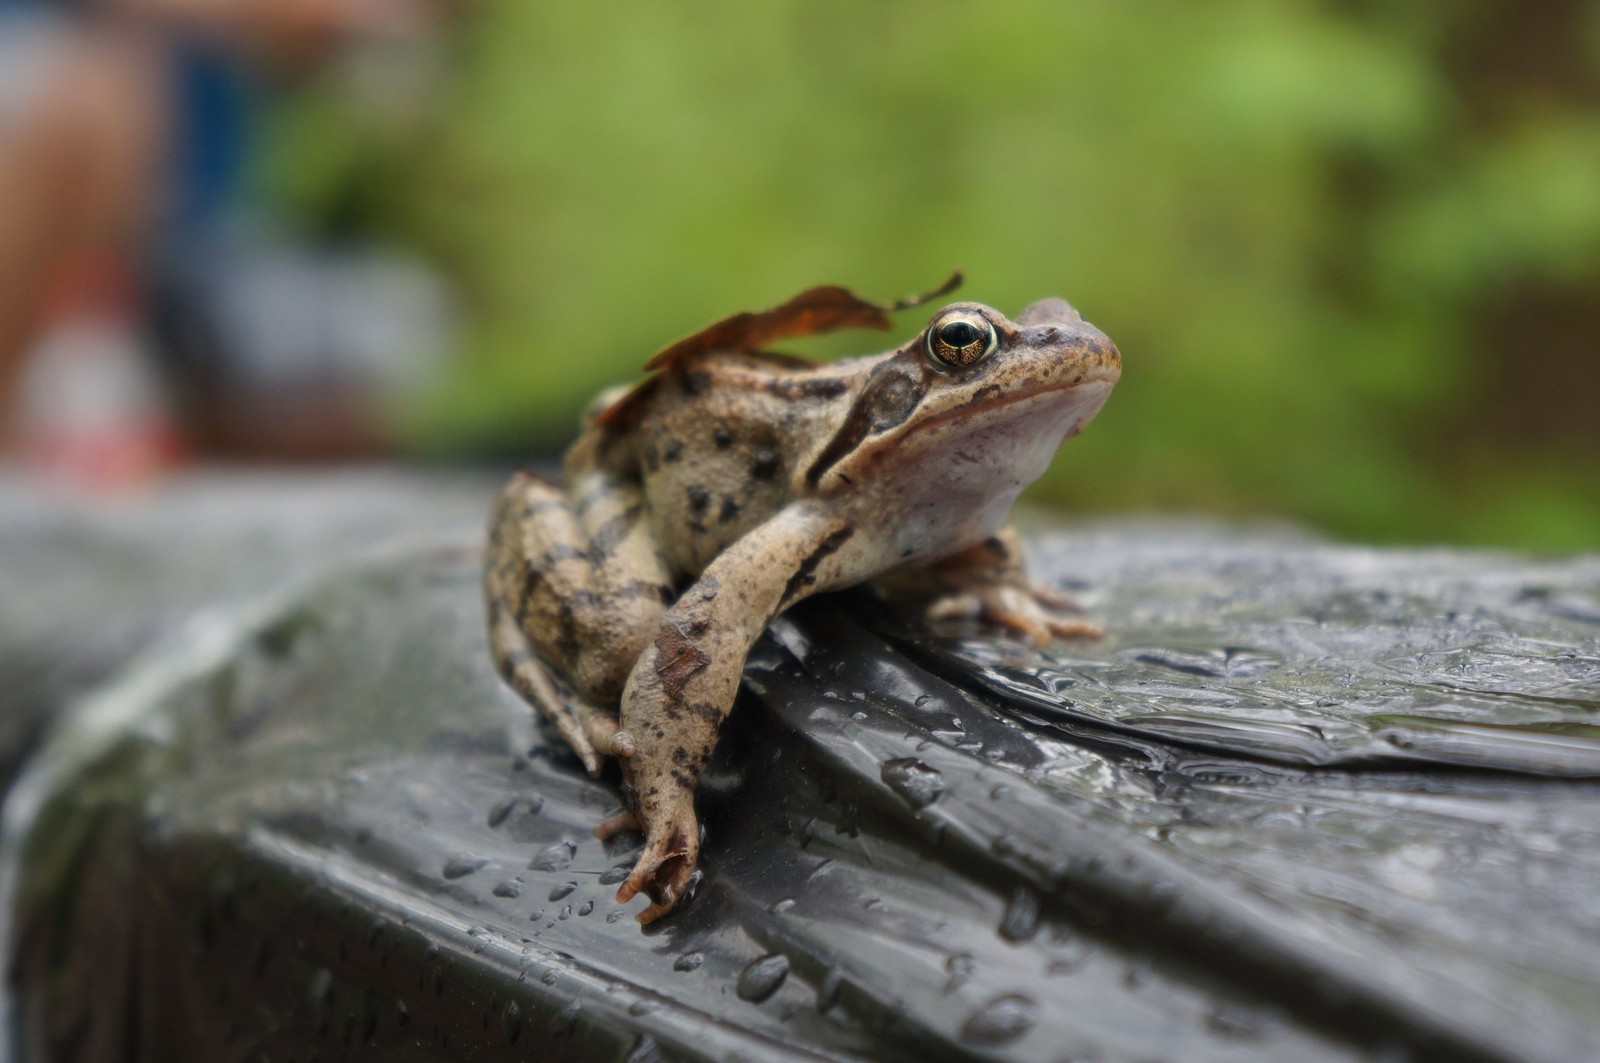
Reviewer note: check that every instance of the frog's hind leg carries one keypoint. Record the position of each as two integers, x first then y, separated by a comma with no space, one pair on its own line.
583,726
574,592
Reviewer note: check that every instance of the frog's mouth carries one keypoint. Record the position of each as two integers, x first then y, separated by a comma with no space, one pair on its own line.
1082,400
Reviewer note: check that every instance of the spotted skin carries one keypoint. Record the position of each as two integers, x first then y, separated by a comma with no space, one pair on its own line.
732,484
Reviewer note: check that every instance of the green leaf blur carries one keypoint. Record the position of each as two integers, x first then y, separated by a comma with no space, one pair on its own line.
1350,251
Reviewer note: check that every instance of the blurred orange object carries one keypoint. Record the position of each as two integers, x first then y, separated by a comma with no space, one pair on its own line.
91,412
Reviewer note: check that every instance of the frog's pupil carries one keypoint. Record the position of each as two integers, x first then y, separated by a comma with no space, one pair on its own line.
959,333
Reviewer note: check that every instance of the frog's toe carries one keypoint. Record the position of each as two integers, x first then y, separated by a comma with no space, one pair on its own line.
1059,601
1074,628
664,870
617,824
1021,611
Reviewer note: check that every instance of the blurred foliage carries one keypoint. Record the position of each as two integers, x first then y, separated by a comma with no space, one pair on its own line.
1328,237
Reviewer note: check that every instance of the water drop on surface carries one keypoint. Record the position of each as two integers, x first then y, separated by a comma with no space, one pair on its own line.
511,1020
782,906
562,890
586,908
1021,918
1001,1021
913,780
565,1021
321,988
508,889
462,866
498,814
613,875
961,967
615,914
688,961
829,989
762,978
557,857
1234,1022
644,1051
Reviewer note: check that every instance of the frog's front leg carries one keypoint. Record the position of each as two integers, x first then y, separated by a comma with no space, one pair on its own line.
989,581
685,682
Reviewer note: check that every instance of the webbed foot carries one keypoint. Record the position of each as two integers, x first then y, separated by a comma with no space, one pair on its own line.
1025,611
671,849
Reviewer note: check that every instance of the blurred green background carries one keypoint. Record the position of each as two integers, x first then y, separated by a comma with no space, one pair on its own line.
1350,250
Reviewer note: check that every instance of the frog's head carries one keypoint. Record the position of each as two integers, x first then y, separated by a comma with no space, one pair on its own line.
976,404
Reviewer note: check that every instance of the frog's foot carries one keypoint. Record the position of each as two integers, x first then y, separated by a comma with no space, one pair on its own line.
671,848
1021,610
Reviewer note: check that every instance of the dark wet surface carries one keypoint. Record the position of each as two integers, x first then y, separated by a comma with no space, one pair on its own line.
1304,802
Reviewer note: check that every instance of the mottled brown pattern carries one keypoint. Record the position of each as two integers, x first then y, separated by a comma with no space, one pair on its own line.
731,484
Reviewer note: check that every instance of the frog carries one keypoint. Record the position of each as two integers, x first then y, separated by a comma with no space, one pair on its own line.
734,481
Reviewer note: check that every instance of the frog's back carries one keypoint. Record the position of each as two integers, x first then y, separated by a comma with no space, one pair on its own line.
719,444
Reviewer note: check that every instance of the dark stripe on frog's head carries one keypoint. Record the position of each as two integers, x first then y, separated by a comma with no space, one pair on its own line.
893,391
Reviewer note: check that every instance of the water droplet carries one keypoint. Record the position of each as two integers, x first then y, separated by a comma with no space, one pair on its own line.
961,967
1233,1021
565,1021
321,988
781,906
913,780
614,914
644,1051
1001,1021
562,890
498,814
557,857
688,961
510,889
402,1014
829,989
586,908
549,977
511,1020
643,1007
762,978
1022,915
536,916
462,866
613,875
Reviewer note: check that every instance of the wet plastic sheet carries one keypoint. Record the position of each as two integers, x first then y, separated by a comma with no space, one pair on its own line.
1304,802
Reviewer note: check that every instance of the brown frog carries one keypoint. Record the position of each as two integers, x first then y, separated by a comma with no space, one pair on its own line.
732,483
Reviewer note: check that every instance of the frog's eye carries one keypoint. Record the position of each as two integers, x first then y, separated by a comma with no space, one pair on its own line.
959,338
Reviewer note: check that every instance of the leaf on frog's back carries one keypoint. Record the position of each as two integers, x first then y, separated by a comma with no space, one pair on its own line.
814,311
